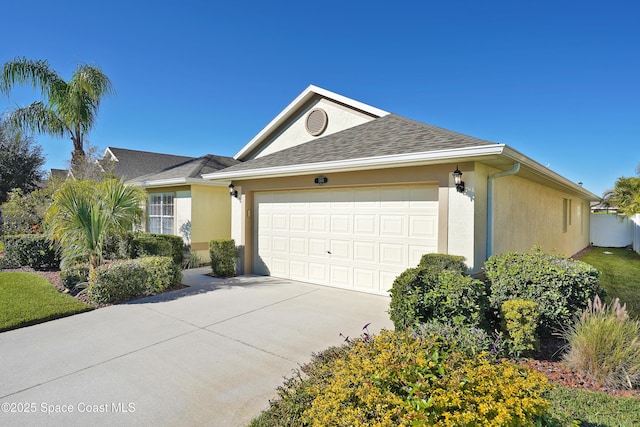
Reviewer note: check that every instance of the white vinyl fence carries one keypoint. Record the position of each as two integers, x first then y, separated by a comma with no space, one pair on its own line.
635,226
612,230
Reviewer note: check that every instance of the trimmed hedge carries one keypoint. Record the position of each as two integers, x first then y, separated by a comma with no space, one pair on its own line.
437,289
223,255
130,279
444,262
162,273
137,245
32,250
562,287
117,282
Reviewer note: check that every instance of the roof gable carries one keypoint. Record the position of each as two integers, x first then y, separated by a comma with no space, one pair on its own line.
390,135
290,127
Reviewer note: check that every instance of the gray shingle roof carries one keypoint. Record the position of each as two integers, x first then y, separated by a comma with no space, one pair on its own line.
134,163
388,135
191,168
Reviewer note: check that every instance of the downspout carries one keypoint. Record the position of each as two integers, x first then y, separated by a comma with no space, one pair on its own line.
512,171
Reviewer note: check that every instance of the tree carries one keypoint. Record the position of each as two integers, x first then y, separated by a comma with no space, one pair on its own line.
20,162
67,109
84,213
625,195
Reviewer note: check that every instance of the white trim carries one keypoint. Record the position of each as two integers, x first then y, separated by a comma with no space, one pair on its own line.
362,163
113,156
307,94
177,181
403,160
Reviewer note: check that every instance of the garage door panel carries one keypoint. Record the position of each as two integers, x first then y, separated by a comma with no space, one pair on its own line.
391,253
319,223
340,275
318,273
392,226
360,238
318,247
365,224
280,222
422,226
341,224
298,222
280,245
299,246
365,252
340,249
365,278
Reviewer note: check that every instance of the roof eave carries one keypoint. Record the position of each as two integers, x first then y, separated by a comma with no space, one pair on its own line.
306,95
543,171
348,165
175,182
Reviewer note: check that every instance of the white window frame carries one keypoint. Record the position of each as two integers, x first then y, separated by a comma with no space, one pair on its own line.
163,207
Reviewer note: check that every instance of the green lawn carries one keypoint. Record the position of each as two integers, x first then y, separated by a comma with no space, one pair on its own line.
620,275
595,409
27,299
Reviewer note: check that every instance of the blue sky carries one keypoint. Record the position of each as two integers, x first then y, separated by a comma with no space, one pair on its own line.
558,81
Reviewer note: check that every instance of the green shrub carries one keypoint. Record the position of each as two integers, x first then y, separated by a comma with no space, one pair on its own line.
468,340
605,343
223,254
192,260
32,250
24,213
150,244
444,262
394,379
562,287
519,324
117,282
74,274
429,292
162,273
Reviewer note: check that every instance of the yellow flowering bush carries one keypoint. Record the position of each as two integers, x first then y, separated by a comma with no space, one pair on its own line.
395,379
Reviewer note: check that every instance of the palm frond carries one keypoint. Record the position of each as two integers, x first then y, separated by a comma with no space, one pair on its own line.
28,71
37,118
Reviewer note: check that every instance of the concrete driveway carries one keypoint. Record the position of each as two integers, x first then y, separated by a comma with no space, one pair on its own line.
211,354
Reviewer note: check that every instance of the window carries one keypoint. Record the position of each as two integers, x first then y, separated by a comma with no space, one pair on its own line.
161,213
566,215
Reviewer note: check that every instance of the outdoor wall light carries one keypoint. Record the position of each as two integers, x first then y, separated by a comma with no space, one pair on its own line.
232,191
457,179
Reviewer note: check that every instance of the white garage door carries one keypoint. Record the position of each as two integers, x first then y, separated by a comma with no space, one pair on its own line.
359,238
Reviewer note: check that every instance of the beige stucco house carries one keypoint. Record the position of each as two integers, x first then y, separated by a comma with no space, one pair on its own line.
336,192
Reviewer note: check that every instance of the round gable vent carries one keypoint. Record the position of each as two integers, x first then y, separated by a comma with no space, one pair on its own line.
316,121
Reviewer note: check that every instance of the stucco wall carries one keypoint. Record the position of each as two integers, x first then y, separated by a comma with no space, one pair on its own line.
295,133
210,216
527,213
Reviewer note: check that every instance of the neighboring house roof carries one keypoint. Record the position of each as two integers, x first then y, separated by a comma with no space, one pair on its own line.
185,172
308,95
129,164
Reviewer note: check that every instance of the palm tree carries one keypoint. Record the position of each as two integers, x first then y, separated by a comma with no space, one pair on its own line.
84,213
67,109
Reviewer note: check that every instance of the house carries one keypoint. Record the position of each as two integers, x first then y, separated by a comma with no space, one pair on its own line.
182,203
336,192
